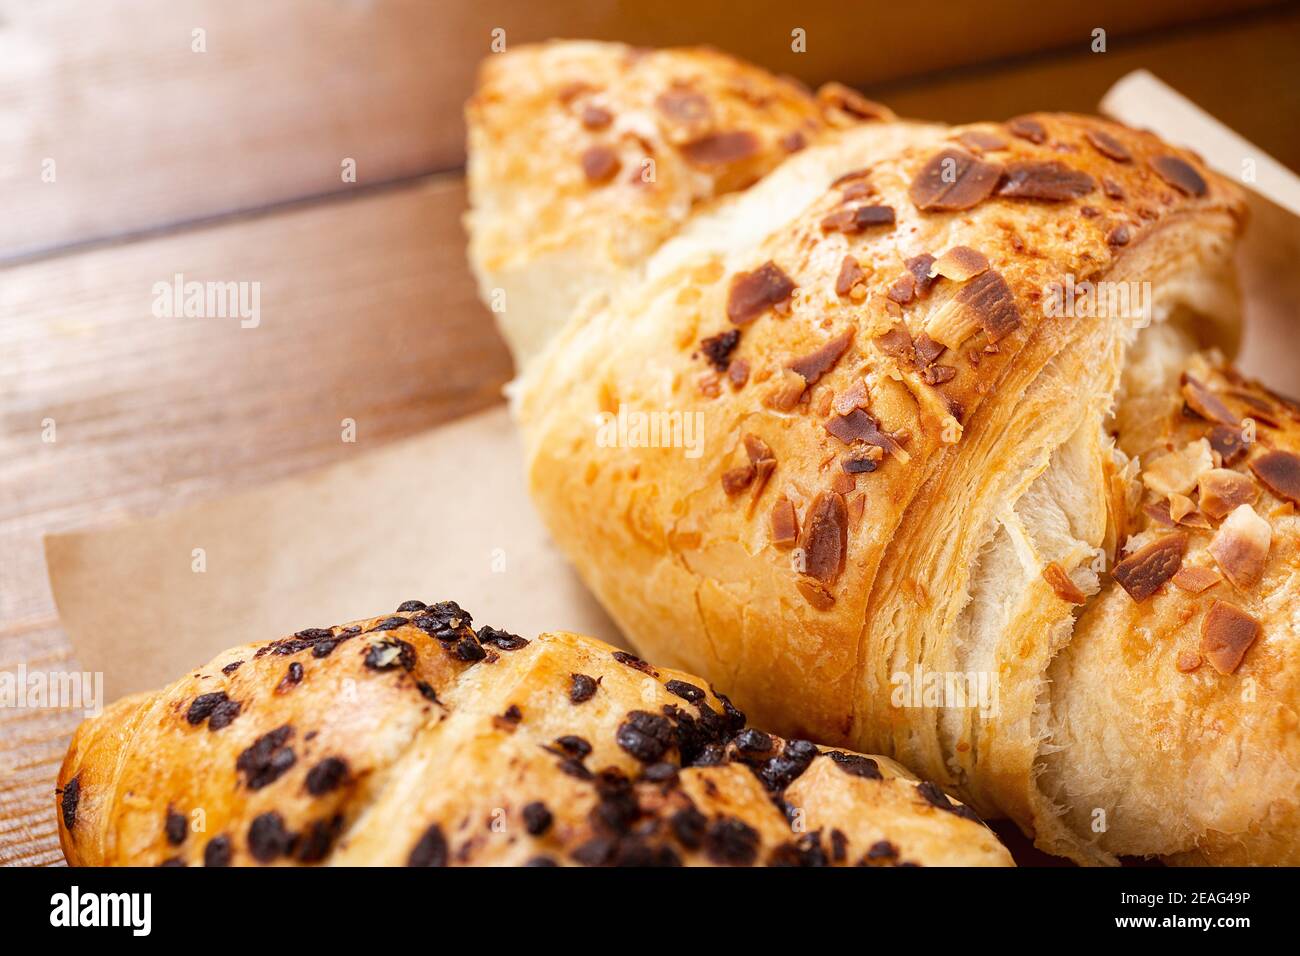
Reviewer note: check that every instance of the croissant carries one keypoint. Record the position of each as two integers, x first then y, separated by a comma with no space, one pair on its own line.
413,739
664,132
925,445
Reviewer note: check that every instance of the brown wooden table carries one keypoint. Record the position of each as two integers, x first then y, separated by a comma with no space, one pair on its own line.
225,164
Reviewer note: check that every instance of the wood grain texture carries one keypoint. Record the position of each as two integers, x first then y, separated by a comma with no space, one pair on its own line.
145,132
367,312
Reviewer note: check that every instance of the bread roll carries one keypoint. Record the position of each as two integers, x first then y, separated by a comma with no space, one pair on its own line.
837,456
584,157
410,739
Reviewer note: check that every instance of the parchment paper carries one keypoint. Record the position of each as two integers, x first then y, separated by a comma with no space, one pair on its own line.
350,541
411,521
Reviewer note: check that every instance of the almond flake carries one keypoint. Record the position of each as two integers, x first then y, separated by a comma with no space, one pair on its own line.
1143,572
1240,546
1226,634
1061,585
1222,490
1196,579
960,263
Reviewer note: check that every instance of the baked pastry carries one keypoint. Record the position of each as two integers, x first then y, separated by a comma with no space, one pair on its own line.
831,454
584,157
411,739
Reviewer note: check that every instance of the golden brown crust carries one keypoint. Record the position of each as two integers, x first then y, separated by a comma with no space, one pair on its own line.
584,157
949,455
413,740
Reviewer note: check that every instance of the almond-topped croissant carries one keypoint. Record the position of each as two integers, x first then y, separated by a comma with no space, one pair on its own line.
412,739
870,457
585,157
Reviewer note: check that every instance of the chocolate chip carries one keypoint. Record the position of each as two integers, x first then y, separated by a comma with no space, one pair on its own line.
783,769
217,852
573,745
468,649
753,741
266,760
573,767
231,667
660,773
173,861
431,850
805,851
71,797
731,842
685,691
537,819
689,826
718,348
224,714
268,838
389,624
839,845
326,776
631,660
291,679
388,653
646,736
427,692
502,639
597,851
882,850
315,843
406,606
582,688
445,620
937,798
176,827
856,765
202,707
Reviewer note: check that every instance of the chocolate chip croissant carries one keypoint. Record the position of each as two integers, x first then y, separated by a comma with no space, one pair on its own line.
412,739
947,421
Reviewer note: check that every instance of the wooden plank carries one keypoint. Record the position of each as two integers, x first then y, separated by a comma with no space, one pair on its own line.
144,132
367,313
